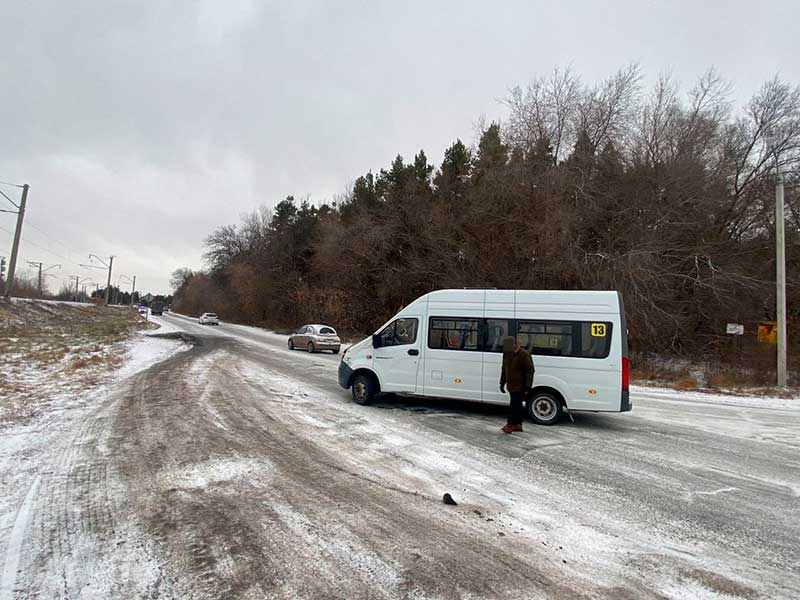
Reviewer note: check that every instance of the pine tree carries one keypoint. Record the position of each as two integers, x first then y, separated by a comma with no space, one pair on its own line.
421,169
541,158
492,152
582,158
452,178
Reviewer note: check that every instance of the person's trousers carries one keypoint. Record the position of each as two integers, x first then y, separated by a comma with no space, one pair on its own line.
517,414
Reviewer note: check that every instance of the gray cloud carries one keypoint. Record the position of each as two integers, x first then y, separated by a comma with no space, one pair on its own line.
141,126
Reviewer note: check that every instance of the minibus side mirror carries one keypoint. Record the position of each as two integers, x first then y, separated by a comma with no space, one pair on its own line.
376,340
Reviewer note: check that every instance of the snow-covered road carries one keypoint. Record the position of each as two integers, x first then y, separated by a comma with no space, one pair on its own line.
240,469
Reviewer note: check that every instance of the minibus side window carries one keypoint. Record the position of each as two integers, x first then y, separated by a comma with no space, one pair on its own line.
547,338
578,339
399,333
496,330
405,331
595,339
451,333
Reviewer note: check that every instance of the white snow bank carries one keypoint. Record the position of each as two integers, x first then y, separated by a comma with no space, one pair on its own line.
671,395
164,326
144,351
42,301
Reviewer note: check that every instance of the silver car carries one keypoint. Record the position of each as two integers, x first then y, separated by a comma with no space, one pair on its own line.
315,338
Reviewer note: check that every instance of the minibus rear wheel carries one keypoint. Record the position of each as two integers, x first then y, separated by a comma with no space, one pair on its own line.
544,408
364,389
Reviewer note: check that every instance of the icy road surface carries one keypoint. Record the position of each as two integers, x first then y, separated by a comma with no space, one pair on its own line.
238,469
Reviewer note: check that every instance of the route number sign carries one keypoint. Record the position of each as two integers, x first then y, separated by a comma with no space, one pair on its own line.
598,330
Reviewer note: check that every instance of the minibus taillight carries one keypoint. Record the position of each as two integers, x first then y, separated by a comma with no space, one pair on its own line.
626,374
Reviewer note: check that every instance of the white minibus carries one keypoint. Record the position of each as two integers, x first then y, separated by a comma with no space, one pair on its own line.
448,344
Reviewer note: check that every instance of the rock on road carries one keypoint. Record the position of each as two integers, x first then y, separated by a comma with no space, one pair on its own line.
238,469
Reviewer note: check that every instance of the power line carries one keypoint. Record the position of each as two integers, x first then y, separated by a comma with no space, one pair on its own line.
32,243
27,240
51,238
11,184
3,194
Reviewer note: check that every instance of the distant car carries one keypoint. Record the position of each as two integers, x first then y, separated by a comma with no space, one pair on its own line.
156,307
142,309
208,319
315,338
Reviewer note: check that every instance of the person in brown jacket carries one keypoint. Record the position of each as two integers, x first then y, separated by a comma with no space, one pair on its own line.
517,376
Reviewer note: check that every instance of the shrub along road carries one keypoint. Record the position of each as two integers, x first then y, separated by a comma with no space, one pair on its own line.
240,469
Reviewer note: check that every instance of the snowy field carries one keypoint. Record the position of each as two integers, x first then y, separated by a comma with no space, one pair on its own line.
238,468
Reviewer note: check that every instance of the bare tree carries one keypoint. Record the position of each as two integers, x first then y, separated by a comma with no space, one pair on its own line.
545,109
606,112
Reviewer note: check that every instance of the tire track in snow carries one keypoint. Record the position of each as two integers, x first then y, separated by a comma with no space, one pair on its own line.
16,541
72,535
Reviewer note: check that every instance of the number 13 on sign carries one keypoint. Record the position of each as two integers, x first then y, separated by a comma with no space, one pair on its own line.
598,330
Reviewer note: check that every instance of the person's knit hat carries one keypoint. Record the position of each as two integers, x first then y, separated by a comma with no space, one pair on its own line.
509,343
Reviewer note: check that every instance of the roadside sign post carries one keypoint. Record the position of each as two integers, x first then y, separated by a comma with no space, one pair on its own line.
734,329
768,332
737,331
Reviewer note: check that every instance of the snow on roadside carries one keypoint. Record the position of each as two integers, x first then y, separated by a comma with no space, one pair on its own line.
41,386
144,350
41,301
164,326
658,393
33,446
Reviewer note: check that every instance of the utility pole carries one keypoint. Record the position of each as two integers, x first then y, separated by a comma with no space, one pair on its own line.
108,265
17,235
780,275
108,284
39,265
77,279
133,281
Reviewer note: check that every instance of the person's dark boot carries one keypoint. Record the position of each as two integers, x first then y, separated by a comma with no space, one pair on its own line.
507,428
516,428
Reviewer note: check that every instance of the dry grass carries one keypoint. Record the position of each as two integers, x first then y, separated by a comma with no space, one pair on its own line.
644,373
650,369
686,382
758,378
46,346
91,360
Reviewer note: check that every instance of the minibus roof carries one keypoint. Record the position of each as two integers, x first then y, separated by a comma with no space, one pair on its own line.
567,301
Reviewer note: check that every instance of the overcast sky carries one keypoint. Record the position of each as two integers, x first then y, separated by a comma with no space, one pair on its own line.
143,125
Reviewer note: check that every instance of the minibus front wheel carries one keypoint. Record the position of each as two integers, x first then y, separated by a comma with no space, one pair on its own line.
364,388
544,407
